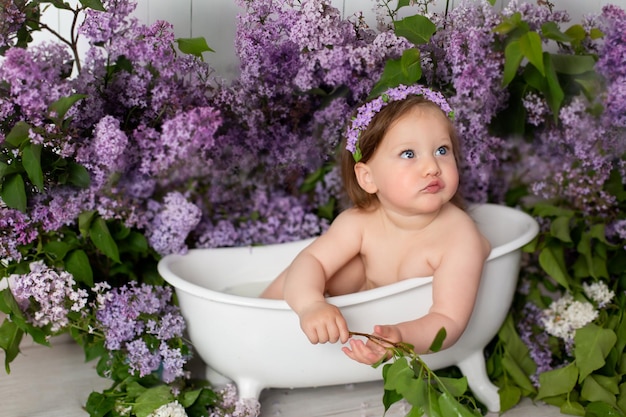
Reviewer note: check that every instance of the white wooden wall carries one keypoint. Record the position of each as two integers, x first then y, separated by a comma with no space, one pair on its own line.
215,20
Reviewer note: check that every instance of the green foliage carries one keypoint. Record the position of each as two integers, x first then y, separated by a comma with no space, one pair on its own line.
408,377
571,250
26,167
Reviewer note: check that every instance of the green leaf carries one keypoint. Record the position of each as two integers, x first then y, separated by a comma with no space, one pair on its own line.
432,403
415,392
93,4
621,399
14,192
10,338
135,242
517,373
152,399
99,405
437,343
189,397
31,160
559,228
557,381
512,59
393,75
193,46
56,249
552,31
390,397
510,24
601,409
101,237
77,264
572,408
84,221
510,396
592,390
552,260
59,108
397,374
450,407
9,306
572,64
411,65
550,210
554,94
576,33
531,48
592,345
78,175
417,29
18,134
455,386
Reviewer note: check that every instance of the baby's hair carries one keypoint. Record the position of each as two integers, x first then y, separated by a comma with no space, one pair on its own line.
372,136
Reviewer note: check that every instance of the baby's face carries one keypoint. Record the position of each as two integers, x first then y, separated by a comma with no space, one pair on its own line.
414,169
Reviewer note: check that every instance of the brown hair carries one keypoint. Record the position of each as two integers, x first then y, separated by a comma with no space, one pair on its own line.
372,136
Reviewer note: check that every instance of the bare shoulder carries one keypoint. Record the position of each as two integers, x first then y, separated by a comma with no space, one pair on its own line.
353,218
461,230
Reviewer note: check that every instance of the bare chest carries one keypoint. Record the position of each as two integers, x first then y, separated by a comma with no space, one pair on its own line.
389,261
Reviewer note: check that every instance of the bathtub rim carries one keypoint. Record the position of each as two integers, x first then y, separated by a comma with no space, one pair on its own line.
179,284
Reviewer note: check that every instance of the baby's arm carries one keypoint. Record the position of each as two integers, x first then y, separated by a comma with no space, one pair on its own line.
305,280
455,285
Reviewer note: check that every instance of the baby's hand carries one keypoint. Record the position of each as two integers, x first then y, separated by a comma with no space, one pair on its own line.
371,352
323,322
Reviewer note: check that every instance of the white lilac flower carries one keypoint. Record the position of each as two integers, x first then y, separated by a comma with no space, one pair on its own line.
566,315
173,409
599,293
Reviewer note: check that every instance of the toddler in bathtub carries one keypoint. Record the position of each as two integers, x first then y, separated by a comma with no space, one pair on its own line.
400,171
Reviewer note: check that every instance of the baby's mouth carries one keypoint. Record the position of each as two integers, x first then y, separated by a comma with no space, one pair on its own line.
433,186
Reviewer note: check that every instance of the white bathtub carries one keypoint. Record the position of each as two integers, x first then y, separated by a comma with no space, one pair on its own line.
257,343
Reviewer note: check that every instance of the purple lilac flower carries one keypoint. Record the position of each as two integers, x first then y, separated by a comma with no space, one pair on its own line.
366,112
175,219
101,27
11,19
47,296
279,219
106,153
141,359
536,340
612,63
585,160
172,362
128,314
462,55
32,75
230,405
181,137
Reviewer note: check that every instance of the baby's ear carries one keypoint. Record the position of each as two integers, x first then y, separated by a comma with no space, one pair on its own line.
364,178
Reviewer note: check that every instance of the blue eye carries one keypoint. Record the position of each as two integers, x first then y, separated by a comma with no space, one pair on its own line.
408,154
442,150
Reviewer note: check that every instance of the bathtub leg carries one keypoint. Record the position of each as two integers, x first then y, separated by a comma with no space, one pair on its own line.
473,367
248,388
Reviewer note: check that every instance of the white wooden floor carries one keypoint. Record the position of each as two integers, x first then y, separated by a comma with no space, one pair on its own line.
55,382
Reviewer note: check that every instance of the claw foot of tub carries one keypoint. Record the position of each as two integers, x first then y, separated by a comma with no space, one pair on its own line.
473,367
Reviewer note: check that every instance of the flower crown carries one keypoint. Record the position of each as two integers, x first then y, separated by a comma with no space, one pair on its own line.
366,112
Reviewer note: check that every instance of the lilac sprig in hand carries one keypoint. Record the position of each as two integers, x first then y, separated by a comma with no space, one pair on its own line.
408,377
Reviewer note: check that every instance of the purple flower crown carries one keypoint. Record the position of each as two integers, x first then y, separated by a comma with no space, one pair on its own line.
366,112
